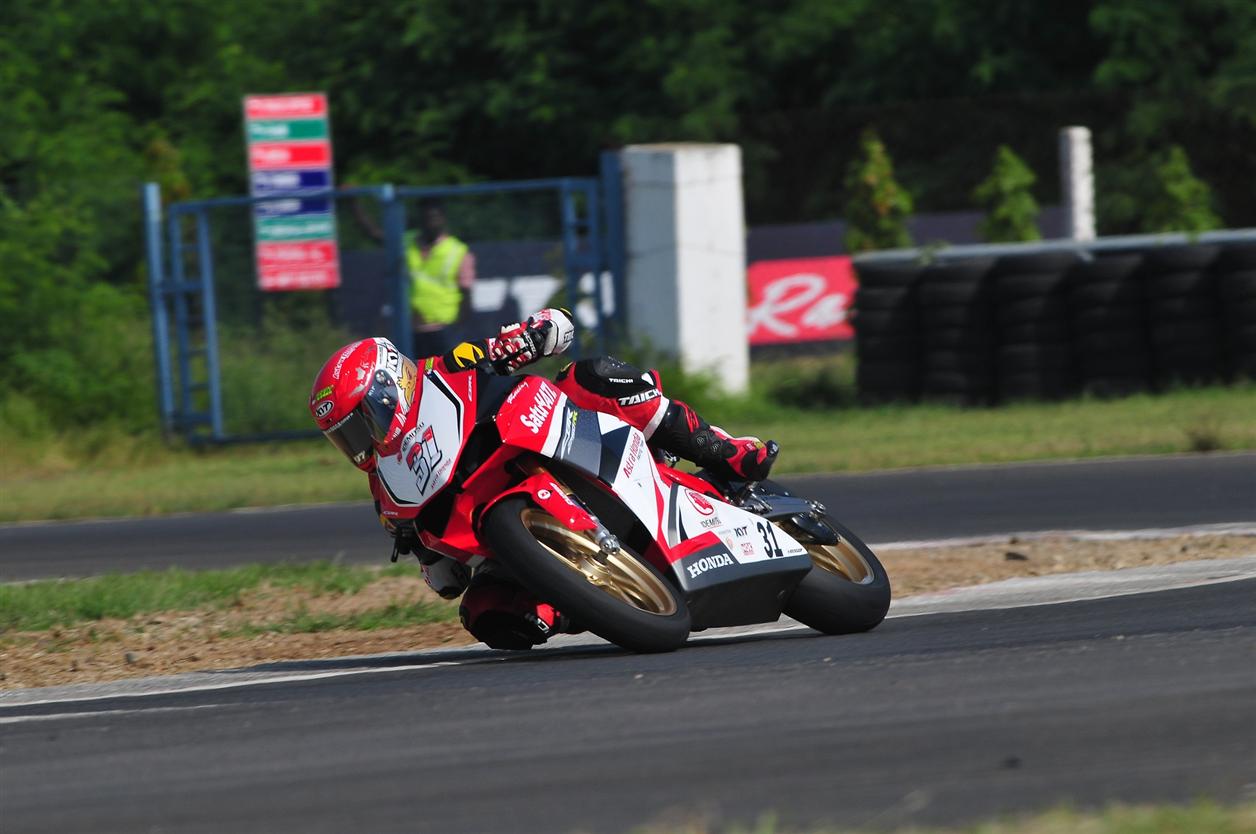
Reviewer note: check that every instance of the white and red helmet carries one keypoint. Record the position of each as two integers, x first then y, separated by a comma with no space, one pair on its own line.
362,397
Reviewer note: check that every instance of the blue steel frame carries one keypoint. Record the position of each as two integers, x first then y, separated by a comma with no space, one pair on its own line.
590,241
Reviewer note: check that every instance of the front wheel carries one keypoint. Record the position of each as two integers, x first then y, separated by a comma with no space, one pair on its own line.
618,596
847,590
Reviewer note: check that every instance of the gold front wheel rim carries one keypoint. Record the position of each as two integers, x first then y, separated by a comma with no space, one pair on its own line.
618,574
841,558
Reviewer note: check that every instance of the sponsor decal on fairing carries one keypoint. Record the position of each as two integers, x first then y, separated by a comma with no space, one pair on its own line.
541,409
700,502
635,445
700,566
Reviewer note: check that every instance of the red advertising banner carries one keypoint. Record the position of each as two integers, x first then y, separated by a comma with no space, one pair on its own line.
800,300
265,156
286,106
298,265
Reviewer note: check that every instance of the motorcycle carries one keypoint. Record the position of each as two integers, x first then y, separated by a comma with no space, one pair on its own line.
577,508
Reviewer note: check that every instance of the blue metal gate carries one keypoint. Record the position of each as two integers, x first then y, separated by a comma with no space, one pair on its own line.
182,262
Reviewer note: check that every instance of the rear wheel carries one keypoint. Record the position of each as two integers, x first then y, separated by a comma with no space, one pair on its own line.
847,590
617,596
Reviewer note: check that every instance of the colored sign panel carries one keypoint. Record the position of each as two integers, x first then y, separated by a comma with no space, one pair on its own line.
270,182
290,157
302,265
284,129
286,106
800,300
268,155
297,205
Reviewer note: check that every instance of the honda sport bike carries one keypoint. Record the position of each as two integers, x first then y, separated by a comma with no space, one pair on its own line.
576,507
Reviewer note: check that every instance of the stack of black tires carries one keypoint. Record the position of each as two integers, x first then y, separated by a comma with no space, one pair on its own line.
1105,301
1235,272
1052,324
957,332
1183,316
887,327
1034,351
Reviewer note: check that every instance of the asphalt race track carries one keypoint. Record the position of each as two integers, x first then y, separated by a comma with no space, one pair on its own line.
1126,493
929,719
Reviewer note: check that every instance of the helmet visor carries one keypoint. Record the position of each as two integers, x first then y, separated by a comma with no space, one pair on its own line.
379,405
352,436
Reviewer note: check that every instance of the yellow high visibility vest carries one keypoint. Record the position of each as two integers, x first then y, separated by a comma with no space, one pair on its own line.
434,291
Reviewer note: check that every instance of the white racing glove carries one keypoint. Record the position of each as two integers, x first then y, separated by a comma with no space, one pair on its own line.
545,333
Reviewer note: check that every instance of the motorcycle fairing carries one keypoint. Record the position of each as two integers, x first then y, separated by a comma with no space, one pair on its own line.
707,541
428,452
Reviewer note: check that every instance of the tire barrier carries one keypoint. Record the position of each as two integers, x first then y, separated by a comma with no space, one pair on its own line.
887,325
1055,324
1183,317
1034,357
1109,340
1235,270
957,335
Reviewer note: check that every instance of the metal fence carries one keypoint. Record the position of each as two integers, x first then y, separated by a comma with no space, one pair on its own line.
234,363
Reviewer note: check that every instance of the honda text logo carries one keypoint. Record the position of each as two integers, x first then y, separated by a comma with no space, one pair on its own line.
706,563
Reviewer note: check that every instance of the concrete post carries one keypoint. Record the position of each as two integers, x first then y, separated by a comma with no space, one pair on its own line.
1077,182
685,263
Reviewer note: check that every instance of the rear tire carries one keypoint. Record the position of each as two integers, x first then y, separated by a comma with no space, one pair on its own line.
847,590
633,605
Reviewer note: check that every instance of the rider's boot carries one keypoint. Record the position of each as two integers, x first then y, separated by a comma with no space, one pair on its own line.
503,615
685,434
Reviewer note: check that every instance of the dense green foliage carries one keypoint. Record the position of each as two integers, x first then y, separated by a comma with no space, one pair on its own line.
100,96
1180,201
1008,199
877,207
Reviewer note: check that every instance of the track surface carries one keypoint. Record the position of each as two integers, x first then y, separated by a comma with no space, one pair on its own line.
929,719
1129,493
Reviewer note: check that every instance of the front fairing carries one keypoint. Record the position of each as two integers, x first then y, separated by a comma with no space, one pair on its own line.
432,443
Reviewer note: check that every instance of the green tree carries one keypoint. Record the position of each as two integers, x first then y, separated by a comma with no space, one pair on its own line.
1007,196
1178,200
877,207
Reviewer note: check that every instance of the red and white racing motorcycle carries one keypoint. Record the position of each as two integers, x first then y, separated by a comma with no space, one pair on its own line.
576,507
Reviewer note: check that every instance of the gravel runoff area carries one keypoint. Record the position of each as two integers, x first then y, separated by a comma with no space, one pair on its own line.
218,639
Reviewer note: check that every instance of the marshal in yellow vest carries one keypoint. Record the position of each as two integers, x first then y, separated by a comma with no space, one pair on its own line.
434,291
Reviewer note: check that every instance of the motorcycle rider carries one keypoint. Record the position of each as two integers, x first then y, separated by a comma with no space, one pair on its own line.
366,394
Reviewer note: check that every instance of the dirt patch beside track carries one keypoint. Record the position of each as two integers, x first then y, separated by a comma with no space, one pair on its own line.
191,641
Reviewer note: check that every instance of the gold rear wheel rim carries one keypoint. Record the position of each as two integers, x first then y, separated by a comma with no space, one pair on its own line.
619,574
841,558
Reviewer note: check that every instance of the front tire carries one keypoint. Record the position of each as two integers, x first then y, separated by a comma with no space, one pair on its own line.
847,590
619,597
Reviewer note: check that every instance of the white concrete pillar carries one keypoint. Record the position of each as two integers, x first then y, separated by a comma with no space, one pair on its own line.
1077,182
685,257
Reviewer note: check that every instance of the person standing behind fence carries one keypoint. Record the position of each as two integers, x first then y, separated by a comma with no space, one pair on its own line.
442,270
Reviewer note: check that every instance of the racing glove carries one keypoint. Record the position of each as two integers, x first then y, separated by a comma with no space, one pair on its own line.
545,333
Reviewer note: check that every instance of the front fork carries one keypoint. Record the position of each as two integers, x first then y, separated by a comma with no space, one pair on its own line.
561,501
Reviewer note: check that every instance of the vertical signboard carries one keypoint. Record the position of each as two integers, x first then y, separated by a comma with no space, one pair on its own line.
289,149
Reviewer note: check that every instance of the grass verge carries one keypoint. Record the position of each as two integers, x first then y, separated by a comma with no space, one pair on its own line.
1201,817
802,404
37,606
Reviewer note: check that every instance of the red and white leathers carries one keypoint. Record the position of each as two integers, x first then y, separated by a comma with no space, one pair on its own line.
493,609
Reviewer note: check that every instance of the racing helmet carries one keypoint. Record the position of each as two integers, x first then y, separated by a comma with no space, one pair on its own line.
362,397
